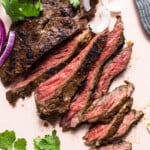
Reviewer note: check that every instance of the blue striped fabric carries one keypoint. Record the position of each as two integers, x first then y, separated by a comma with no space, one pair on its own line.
144,12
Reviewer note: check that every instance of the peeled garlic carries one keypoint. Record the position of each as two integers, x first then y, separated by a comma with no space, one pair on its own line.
86,4
103,20
112,7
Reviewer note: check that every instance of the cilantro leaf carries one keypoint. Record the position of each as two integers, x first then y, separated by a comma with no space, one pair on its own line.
19,9
49,142
75,3
20,144
7,139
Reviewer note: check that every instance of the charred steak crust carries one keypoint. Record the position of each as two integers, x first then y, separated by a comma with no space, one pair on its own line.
100,132
116,146
58,101
83,98
55,61
37,36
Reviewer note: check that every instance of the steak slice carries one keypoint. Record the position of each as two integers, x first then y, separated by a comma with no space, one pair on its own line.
37,36
53,96
100,132
128,122
116,146
71,119
111,70
54,61
105,108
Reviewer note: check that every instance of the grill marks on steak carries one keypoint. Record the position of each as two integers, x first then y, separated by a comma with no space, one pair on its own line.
71,119
105,108
36,36
54,95
55,61
100,132
117,146
111,70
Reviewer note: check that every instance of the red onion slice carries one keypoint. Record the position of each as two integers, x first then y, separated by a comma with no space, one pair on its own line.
2,34
8,49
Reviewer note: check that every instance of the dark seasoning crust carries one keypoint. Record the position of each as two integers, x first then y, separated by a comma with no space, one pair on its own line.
60,28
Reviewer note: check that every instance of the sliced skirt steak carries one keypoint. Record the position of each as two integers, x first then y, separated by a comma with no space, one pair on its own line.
105,108
128,122
100,132
53,96
51,64
111,70
82,98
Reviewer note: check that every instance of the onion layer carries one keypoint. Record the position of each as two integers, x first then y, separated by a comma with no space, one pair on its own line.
104,21
8,49
112,7
87,5
2,34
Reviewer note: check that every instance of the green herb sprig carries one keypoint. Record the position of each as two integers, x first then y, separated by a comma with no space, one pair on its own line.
75,3
8,141
19,9
48,142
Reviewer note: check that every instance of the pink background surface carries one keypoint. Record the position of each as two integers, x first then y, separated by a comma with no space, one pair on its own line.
24,120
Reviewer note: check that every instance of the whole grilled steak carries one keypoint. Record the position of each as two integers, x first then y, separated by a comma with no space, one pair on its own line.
105,108
51,64
111,70
53,96
37,36
117,146
128,122
82,98
100,132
